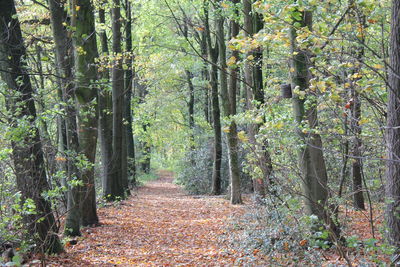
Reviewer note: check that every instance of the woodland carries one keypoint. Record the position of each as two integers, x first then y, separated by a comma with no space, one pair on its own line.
200,133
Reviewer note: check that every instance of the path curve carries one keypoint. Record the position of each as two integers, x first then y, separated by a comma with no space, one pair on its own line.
160,226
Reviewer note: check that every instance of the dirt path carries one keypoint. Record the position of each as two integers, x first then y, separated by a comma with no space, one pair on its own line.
161,226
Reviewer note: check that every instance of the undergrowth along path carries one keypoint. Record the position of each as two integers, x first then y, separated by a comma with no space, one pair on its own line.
160,226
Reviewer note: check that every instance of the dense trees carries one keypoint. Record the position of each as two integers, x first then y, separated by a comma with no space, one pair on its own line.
27,152
194,86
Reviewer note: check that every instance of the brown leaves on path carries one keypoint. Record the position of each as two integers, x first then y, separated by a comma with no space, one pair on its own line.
160,226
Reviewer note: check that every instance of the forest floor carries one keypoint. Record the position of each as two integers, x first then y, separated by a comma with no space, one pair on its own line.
160,226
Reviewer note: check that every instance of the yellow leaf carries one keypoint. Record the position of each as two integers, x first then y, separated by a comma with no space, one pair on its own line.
231,61
378,66
279,125
242,136
224,5
77,8
363,121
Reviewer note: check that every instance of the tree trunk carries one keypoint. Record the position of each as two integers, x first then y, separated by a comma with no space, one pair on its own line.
85,95
229,106
254,91
205,75
189,77
119,172
105,115
393,133
232,134
27,153
128,96
311,158
217,156
63,48
355,127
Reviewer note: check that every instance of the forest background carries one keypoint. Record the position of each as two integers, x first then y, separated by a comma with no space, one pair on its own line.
294,101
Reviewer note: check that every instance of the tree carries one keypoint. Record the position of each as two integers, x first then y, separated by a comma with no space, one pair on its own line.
393,132
27,150
228,99
311,158
119,179
253,73
85,45
105,114
216,119
64,58
129,76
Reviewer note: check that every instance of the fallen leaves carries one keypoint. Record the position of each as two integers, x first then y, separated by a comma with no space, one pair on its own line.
162,226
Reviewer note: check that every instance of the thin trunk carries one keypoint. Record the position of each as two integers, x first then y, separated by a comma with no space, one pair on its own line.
189,77
205,76
228,96
27,153
146,151
105,115
358,197
250,91
128,96
217,156
258,92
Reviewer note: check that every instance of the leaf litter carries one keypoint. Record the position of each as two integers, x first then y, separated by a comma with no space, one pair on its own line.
160,226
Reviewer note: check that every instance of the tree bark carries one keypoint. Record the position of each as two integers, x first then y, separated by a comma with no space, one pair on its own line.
64,56
105,115
311,158
393,133
355,127
229,106
85,93
205,76
255,91
27,152
119,172
128,95
217,155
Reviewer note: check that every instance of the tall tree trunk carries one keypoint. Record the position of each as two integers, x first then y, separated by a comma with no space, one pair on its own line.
258,92
146,152
119,172
27,153
314,173
355,127
128,96
190,103
85,94
189,77
105,115
64,55
311,157
253,78
205,75
229,106
393,133
217,156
